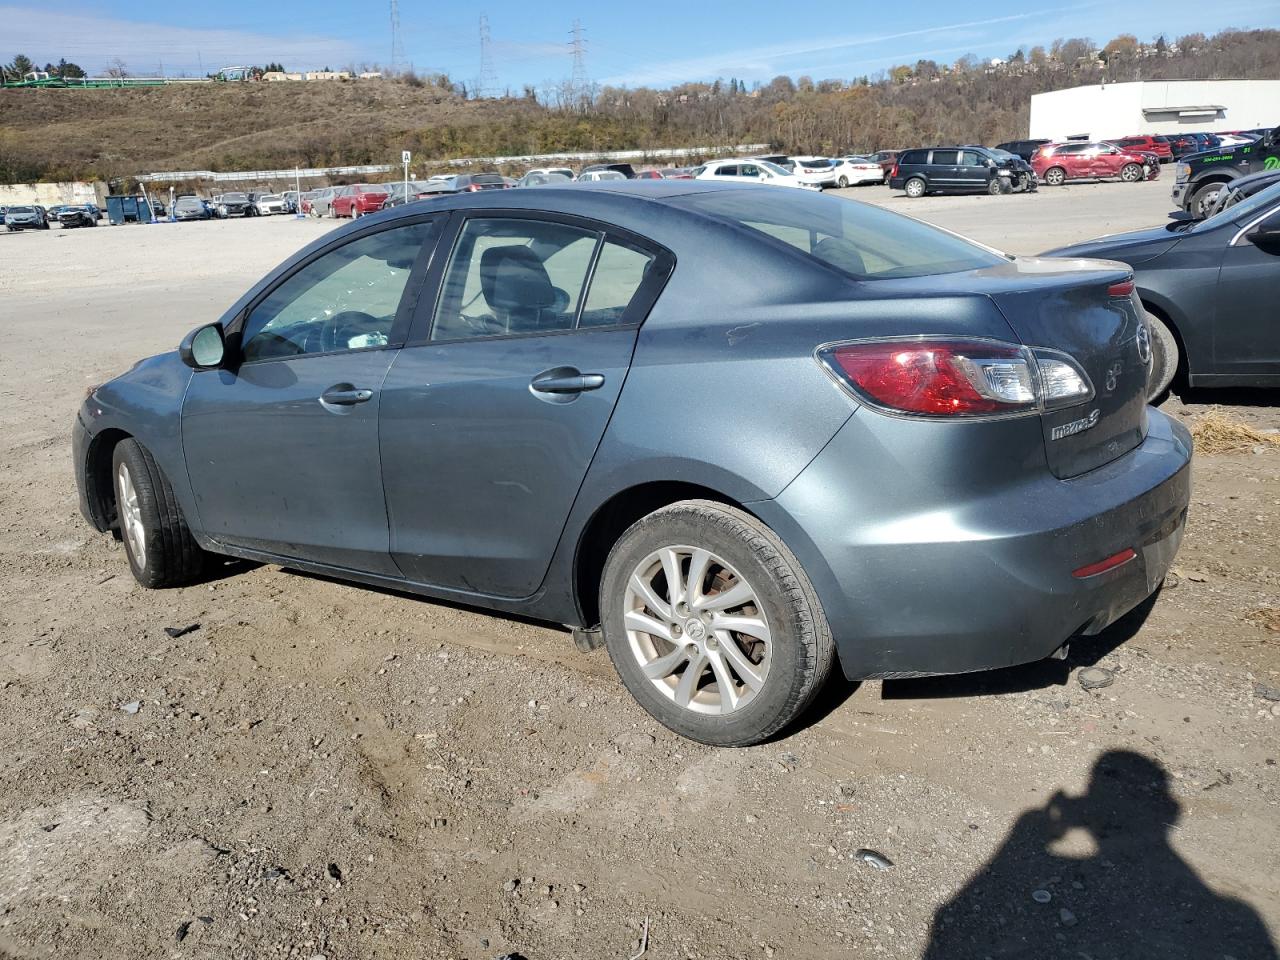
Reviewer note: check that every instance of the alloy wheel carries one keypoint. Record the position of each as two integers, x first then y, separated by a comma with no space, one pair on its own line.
131,515
697,629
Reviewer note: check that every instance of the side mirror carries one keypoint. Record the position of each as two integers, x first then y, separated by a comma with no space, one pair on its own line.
204,347
1266,234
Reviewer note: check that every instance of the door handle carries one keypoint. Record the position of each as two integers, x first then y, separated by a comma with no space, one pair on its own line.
561,382
345,395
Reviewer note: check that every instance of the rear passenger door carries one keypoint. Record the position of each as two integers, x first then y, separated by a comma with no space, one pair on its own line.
944,169
492,413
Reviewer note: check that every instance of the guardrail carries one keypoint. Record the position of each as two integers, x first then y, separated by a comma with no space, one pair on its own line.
306,173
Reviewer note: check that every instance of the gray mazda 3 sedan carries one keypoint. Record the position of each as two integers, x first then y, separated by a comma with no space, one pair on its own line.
734,432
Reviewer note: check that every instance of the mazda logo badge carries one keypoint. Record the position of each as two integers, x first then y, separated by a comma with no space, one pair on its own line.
1144,343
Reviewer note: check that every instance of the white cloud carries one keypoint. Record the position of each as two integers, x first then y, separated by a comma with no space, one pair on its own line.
93,42
768,60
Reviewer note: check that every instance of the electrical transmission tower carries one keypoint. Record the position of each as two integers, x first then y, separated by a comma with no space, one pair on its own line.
579,46
397,48
487,84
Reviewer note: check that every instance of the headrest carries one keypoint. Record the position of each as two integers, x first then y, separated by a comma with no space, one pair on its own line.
512,278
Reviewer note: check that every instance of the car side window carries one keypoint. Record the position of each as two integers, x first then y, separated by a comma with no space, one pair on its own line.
971,158
727,170
748,170
617,276
513,276
946,157
346,299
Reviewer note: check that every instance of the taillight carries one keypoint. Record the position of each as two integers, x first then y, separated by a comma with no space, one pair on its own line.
894,171
473,189
1122,289
956,378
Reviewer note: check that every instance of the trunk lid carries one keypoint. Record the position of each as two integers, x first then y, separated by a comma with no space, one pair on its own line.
1064,305
1067,306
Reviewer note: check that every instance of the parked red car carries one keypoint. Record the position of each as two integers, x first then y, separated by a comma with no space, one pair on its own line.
1056,163
357,200
1157,145
887,159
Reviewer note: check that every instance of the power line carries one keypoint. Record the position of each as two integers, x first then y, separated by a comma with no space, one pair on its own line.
397,47
579,47
487,84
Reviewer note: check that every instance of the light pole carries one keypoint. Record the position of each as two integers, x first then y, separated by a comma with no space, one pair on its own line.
405,157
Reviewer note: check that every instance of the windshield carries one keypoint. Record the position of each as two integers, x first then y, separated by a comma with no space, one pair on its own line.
22,209
234,197
863,241
1243,210
1000,154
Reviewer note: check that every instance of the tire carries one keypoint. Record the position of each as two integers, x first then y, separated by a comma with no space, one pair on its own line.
915,188
842,182
1203,199
160,548
994,188
1164,357
791,657
1132,173
1055,176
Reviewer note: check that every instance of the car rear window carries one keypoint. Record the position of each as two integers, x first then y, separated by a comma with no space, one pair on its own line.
486,178
912,156
863,241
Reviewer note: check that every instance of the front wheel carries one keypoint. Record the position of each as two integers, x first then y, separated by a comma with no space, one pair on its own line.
1164,357
161,550
1202,200
843,181
915,188
712,624
1055,176
1131,173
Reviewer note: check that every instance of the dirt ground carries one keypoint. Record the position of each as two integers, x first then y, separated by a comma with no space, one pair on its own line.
320,769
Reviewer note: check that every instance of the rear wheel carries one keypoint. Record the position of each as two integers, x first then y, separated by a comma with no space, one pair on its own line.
712,624
1055,176
1164,357
915,187
161,550
1131,172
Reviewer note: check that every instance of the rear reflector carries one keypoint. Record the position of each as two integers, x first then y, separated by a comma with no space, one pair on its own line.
1122,289
1102,566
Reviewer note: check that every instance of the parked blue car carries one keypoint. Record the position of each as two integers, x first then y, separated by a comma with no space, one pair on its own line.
738,433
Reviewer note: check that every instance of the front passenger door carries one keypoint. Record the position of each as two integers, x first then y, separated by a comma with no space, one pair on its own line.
493,412
973,170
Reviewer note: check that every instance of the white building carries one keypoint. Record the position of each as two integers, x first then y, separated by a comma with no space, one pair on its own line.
1105,111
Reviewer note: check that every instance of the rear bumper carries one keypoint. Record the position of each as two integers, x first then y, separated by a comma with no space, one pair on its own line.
984,582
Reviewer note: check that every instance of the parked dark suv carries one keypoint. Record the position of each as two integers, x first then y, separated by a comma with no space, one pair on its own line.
1022,148
957,170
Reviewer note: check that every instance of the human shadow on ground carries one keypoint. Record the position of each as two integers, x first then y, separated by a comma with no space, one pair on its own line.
1095,877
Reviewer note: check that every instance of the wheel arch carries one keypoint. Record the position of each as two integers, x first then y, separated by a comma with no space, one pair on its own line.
99,490
1159,307
612,518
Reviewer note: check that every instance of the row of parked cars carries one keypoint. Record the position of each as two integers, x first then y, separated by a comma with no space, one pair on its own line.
34,216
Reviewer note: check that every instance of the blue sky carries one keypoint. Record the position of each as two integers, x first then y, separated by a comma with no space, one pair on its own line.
635,44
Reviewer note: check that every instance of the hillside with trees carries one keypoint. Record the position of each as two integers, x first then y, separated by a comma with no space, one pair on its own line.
118,133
